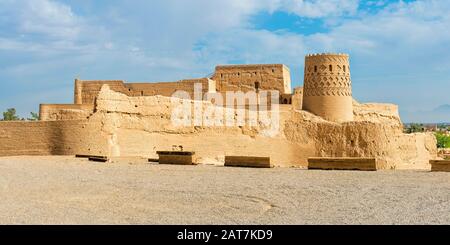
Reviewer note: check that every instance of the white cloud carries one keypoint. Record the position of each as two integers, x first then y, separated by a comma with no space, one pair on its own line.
48,18
44,18
319,8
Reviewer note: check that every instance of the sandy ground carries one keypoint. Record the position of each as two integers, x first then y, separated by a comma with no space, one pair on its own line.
65,190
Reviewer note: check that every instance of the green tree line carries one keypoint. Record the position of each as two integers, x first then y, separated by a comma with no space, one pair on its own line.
10,115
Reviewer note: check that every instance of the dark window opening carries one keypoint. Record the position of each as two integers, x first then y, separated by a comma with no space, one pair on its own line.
344,69
315,68
257,86
331,68
142,93
285,101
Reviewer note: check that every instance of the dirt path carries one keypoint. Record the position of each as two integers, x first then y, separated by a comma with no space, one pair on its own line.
65,190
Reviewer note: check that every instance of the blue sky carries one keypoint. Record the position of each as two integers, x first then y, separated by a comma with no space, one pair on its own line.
400,50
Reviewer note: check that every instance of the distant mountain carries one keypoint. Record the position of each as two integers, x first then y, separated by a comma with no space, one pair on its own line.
440,114
443,108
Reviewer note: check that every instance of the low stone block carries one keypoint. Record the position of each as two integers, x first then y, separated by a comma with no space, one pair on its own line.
93,158
85,156
342,163
98,159
440,165
176,157
247,161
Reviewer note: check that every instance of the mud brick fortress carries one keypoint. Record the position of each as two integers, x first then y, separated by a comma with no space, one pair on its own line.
320,119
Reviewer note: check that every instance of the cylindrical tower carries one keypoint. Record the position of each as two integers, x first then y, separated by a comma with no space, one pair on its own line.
327,90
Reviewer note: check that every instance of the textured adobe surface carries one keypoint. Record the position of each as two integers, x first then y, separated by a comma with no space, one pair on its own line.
248,77
52,138
61,112
140,126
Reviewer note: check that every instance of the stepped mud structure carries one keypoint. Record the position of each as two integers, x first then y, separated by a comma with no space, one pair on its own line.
321,119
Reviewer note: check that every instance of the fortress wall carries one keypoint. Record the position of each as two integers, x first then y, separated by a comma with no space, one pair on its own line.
412,151
145,129
140,126
52,138
87,91
167,88
53,112
211,146
291,148
250,77
377,112
386,142
226,78
327,88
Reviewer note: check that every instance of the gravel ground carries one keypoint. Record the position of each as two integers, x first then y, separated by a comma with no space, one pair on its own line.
65,190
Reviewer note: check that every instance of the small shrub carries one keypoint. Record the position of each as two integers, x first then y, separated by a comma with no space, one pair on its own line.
443,141
10,115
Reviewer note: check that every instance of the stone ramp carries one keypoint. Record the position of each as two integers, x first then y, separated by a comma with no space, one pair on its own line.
248,162
343,163
440,165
